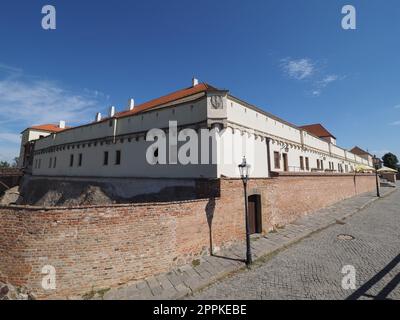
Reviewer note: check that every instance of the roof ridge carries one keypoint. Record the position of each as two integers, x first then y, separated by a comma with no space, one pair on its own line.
167,98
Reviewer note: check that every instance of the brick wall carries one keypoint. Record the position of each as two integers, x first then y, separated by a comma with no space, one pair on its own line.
103,246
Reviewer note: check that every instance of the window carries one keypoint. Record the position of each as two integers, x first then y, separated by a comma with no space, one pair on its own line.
55,162
50,162
322,164
277,160
71,160
80,160
307,164
318,164
105,159
118,157
301,163
40,163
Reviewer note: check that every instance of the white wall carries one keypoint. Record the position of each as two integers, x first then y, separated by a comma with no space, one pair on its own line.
133,152
234,145
27,136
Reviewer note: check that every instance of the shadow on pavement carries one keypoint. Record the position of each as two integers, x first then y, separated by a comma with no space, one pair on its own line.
383,294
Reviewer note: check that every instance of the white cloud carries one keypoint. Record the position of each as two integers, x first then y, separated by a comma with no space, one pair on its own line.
396,123
10,137
26,101
10,71
307,70
328,79
298,69
397,107
8,153
41,102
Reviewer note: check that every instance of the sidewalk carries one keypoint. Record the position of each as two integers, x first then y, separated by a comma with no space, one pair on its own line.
189,278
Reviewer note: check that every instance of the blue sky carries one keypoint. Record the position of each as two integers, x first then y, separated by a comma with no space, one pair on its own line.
291,58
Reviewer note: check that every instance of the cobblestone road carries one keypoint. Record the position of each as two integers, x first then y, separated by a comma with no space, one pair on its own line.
311,269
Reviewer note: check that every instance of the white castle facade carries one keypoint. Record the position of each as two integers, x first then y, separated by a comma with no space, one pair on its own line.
116,146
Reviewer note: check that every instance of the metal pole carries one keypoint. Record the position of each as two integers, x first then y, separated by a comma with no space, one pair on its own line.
248,248
378,194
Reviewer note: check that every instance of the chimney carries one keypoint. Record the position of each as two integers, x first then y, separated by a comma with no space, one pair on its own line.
195,82
61,125
131,104
112,111
98,116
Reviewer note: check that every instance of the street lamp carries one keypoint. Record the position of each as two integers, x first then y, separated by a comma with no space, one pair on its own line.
376,165
244,175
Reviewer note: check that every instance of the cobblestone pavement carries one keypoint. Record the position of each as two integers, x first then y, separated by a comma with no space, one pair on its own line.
311,268
281,276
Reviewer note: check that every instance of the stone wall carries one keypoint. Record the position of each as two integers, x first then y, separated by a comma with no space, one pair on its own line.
97,247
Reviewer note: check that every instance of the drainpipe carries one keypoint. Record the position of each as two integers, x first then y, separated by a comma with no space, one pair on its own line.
114,130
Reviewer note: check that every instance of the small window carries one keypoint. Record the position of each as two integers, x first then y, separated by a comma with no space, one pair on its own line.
50,162
40,163
80,160
318,164
118,157
55,162
301,163
322,164
307,164
71,160
277,160
105,159
110,123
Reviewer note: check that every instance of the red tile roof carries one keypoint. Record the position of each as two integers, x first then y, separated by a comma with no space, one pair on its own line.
48,127
360,152
152,104
201,87
317,130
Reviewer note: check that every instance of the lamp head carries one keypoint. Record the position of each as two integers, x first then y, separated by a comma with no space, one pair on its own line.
244,169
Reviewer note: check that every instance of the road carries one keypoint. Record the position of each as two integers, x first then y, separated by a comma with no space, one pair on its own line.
312,268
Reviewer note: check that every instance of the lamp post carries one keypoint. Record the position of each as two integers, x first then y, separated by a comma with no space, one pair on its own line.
244,174
378,194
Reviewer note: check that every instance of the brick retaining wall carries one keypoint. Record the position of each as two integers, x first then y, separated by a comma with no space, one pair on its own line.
103,246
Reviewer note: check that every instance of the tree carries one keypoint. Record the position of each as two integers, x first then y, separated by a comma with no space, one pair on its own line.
4,164
15,162
390,160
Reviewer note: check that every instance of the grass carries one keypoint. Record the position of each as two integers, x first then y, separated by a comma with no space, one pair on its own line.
195,262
